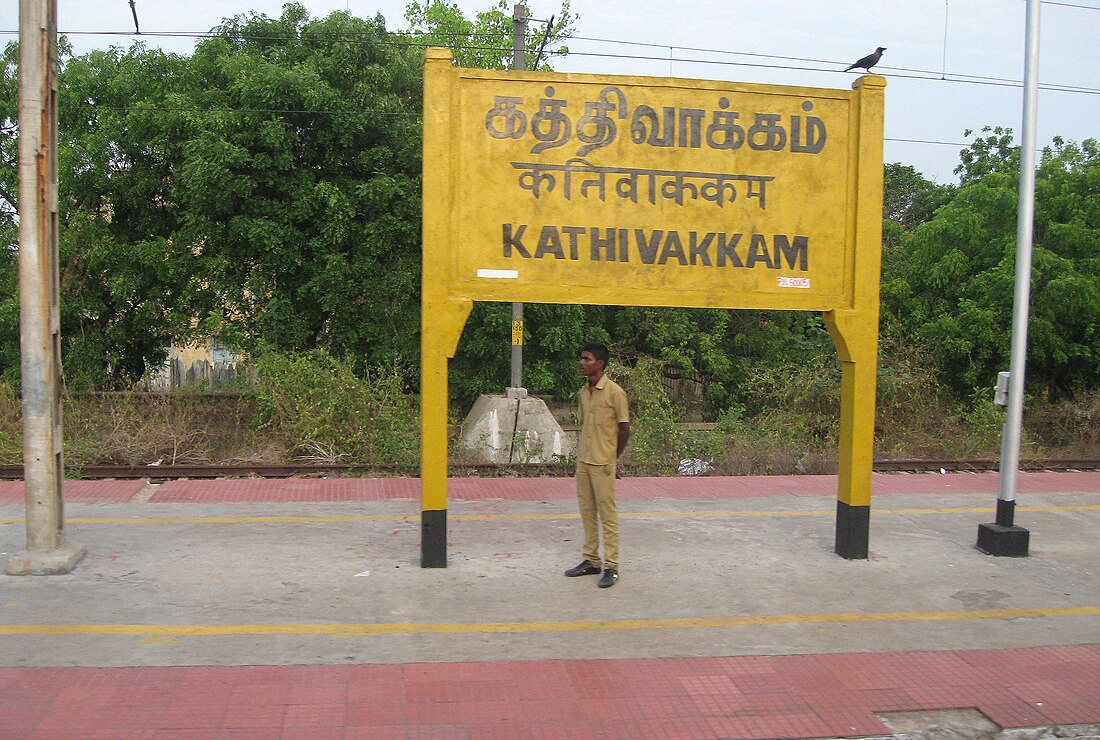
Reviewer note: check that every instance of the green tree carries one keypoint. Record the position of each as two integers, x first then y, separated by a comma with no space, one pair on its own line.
485,42
299,176
994,152
908,198
950,283
265,188
9,185
128,285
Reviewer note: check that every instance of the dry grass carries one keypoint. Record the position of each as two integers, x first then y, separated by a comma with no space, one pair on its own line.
138,428
190,428
1065,430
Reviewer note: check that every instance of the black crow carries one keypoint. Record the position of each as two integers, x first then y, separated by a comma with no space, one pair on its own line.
869,61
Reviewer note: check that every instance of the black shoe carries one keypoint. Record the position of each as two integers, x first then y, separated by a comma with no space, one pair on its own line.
607,580
584,569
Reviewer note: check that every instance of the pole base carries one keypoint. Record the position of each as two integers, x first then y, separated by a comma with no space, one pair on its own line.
997,539
433,538
853,531
56,562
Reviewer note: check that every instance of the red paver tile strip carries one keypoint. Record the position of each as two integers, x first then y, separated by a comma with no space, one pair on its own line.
562,489
371,692
266,693
545,489
310,732
443,691
885,700
842,721
365,713
20,721
80,491
720,684
668,707
316,693
390,732
778,696
307,715
686,728
1066,712
254,716
1018,714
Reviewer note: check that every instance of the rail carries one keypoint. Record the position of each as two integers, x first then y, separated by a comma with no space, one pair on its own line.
165,472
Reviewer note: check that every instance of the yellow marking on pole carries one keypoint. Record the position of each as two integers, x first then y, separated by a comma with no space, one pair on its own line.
336,519
614,625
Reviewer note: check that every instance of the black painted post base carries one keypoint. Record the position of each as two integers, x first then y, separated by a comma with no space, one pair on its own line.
1009,542
1002,538
433,538
853,530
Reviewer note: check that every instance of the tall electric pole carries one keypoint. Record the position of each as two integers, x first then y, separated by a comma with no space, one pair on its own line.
519,63
48,552
1003,537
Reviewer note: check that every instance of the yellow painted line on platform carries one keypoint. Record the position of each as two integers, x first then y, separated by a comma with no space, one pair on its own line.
983,510
531,517
614,625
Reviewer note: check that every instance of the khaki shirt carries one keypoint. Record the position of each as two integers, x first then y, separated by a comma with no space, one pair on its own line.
602,410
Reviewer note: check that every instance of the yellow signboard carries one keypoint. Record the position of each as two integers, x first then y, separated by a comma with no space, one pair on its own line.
569,188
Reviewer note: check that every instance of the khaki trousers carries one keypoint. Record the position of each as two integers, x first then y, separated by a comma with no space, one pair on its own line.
596,497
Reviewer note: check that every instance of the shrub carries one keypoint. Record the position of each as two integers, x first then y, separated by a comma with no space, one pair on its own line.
655,439
317,405
11,429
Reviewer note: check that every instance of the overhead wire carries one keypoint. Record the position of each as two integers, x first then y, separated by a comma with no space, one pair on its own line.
1069,5
412,40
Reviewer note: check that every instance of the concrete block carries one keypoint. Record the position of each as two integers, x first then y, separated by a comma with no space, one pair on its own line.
517,430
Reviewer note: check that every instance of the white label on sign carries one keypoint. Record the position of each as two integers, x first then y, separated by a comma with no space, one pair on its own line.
508,274
794,282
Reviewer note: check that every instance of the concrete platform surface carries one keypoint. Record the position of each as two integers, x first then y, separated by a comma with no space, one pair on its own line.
297,608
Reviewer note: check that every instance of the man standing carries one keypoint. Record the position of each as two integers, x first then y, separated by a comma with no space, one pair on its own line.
605,430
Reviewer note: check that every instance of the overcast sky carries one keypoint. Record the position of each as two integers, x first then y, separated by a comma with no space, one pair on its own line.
926,40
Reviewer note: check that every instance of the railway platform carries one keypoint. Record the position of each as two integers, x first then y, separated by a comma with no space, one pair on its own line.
297,608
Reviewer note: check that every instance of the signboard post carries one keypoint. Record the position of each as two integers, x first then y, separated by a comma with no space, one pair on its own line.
584,189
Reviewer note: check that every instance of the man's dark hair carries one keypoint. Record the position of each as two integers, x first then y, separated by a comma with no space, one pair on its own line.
598,350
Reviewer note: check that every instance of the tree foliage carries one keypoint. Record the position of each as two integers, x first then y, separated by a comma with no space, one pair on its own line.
908,199
299,177
485,42
265,189
9,185
950,283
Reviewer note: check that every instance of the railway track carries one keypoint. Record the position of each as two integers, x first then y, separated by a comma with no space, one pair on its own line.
166,472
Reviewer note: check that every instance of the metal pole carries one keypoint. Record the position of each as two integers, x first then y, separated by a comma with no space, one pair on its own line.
1005,538
40,332
519,63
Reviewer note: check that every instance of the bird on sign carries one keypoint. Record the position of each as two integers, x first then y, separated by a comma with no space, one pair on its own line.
868,61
